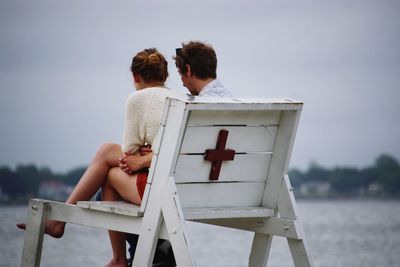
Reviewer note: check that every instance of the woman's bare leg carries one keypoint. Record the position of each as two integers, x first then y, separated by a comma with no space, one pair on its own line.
119,185
117,239
92,180
124,184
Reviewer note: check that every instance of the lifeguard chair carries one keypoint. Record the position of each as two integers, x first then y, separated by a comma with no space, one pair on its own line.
216,161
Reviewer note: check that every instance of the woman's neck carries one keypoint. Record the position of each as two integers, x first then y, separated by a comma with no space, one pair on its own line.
140,86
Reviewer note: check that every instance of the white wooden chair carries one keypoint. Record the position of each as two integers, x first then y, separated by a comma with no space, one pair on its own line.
221,162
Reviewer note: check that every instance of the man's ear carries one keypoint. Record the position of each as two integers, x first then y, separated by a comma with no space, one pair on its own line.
188,70
137,78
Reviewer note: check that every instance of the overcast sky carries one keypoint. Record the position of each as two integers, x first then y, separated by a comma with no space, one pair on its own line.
64,70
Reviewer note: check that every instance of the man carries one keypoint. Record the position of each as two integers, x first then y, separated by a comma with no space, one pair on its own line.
197,66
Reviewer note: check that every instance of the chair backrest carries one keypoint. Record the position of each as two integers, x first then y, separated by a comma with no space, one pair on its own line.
249,140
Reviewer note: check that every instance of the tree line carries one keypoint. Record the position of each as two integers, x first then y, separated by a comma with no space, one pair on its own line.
23,182
350,181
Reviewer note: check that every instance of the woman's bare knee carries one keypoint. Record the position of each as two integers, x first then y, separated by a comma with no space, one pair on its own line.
108,153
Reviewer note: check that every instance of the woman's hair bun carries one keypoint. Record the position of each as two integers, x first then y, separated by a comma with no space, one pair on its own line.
153,58
151,65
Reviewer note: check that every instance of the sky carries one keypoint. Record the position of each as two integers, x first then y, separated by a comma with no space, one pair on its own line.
64,71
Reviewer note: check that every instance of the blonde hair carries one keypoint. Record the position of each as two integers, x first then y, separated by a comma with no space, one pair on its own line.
150,65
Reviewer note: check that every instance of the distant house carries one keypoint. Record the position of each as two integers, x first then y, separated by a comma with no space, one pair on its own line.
3,196
315,189
375,189
55,190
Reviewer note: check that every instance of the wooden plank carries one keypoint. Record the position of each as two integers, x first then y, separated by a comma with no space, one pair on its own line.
300,253
266,100
175,222
287,206
32,251
240,139
260,249
269,225
151,169
234,117
117,207
168,144
237,104
281,156
220,194
245,167
157,141
221,213
168,153
73,214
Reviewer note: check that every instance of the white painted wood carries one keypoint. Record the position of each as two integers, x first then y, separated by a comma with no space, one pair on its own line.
168,153
149,233
288,209
175,222
146,194
300,253
240,139
286,203
221,213
33,242
220,194
253,192
260,250
234,117
117,207
157,141
281,155
101,219
245,167
266,225
223,104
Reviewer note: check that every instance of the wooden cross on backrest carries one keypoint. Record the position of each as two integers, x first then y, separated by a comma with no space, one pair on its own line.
219,154
198,173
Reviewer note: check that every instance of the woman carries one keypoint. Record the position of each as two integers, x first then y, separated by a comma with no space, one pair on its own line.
121,171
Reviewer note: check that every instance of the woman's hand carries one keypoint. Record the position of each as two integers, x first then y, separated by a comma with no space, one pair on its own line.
144,150
131,163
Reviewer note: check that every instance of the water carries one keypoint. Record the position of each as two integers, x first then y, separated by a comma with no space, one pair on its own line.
340,233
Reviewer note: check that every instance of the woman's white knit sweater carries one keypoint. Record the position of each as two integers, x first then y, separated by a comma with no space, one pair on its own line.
144,110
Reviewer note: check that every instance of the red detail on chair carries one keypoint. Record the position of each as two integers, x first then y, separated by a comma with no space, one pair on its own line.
218,155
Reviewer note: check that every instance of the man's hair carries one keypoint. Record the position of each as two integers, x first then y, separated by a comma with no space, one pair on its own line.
151,65
200,57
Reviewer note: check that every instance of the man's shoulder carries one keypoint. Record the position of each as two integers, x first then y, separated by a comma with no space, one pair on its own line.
216,89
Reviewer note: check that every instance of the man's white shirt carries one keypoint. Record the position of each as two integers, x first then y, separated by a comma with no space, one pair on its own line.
215,89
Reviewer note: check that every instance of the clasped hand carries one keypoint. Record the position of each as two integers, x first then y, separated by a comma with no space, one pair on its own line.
131,163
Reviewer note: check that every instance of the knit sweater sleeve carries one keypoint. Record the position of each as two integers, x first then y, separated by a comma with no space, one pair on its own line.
134,132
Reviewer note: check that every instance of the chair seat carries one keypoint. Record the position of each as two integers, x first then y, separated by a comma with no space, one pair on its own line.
221,213
116,207
128,209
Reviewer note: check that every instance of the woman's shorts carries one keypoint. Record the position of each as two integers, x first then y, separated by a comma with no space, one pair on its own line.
141,181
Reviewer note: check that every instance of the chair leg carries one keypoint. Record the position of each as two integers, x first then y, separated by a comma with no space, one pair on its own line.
300,254
288,210
33,242
148,236
260,250
175,223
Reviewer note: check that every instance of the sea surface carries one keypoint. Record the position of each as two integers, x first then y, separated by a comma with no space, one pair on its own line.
351,233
